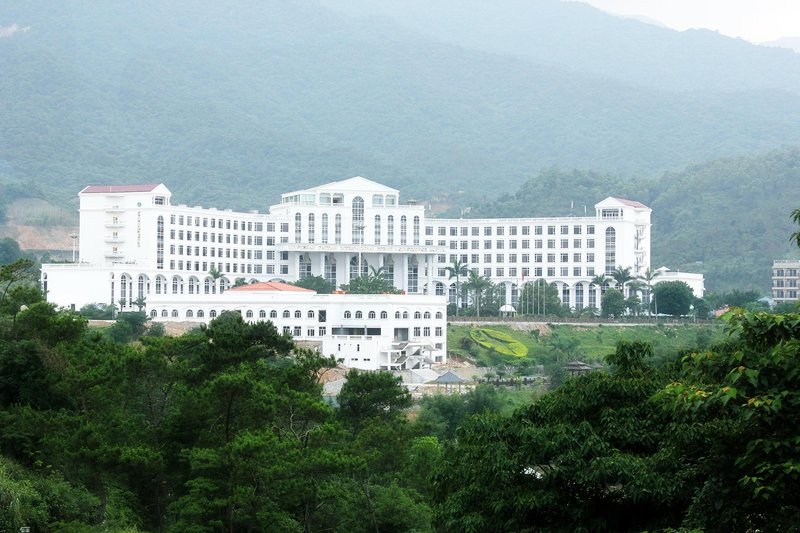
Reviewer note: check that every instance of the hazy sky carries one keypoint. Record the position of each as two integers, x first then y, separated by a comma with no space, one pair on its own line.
753,20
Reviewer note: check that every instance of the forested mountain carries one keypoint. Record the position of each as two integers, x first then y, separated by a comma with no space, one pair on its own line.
727,218
586,39
231,103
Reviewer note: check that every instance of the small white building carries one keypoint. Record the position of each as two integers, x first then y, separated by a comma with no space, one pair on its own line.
695,281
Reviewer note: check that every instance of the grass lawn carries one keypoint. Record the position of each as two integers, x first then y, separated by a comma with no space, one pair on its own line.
559,344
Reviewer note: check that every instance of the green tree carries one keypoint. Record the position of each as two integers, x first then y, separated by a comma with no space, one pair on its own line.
594,454
374,282
648,278
477,285
613,303
540,298
621,277
674,297
368,395
316,283
457,269
747,390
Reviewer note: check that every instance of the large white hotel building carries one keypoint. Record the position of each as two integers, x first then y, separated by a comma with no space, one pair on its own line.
135,244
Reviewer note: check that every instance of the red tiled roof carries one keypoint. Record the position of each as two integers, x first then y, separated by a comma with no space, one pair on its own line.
270,286
631,203
143,187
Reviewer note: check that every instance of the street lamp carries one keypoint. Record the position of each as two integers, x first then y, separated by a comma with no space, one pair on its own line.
74,237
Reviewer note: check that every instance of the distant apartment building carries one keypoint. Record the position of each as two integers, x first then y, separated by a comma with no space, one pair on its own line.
785,280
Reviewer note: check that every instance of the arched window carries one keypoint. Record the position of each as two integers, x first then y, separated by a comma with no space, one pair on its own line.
209,285
298,225
337,229
200,314
286,313
403,230
262,314
330,269
177,285
141,286
212,313
347,314
158,284
417,315
175,313
611,250
249,314
153,313
310,313
397,314
311,227
189,314
273,314
438,314
358,220
439,288
405,314
304,266
390,229
298,314
123,288
359,314
371,315
384,315
324,228
193,285
427,315
164,313
416,231
377,229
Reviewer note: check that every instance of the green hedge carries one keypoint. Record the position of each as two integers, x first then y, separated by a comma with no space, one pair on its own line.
501,342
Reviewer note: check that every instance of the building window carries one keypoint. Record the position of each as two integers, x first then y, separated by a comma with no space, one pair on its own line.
611,250
371,315
403,230
416,231
390,230
311,228
358,220
337,229
348,314
377,229
286,313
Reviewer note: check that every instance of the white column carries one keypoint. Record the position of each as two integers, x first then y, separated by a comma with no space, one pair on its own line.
429,268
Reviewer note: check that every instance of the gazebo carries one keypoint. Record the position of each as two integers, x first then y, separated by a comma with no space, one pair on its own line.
447,379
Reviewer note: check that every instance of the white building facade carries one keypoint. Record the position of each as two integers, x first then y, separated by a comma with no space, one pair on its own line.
367,331
136,245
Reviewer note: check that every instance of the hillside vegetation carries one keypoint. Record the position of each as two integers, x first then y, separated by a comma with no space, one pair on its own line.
230,104
728,218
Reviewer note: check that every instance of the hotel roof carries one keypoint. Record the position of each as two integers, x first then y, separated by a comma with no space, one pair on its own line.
270,286
142,187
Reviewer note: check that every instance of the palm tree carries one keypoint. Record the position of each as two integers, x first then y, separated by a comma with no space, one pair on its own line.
648,278
621,276
477,284
456,270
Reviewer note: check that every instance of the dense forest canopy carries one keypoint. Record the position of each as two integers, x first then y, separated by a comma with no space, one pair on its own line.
225,429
